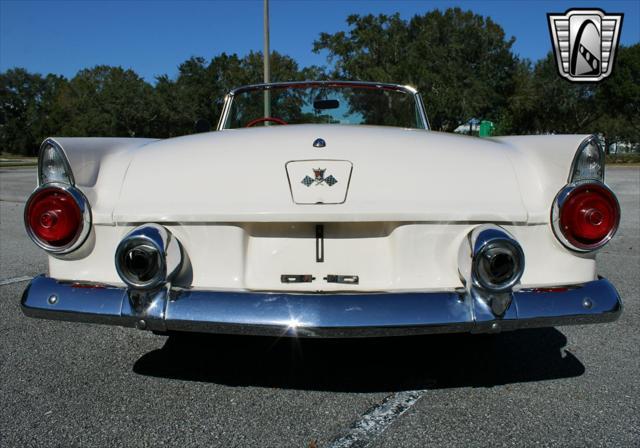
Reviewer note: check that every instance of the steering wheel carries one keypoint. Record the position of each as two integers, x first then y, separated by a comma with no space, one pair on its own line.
263,119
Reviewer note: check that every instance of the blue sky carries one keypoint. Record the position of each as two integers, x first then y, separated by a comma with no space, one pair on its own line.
154,37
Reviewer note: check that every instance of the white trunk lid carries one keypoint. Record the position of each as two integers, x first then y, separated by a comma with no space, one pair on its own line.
381,173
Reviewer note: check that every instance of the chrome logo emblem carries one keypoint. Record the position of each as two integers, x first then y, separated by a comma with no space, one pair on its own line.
318,178
585,42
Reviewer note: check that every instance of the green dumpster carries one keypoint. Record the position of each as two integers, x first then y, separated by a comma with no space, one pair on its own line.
486,128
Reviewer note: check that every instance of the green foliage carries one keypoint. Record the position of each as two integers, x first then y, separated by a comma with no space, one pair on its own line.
105,101
112,101
27,103
461,62
543,102
550,103
619,99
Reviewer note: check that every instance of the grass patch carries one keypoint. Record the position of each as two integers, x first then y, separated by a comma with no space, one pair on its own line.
17,165
10,156
620,159
8,160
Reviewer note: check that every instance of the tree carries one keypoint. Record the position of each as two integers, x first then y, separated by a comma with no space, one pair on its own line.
461,61
544,102
105,101
563,107
199,89
618,99
25,107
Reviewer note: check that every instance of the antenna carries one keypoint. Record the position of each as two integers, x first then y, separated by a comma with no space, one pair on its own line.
267,65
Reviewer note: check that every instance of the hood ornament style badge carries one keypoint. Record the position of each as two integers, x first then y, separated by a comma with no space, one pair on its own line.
319,143
319,178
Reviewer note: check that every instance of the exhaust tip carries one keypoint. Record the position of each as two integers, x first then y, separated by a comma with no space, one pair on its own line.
148,257
499,265
491,259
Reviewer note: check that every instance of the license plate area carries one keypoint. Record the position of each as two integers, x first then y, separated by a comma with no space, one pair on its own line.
308,278
318,257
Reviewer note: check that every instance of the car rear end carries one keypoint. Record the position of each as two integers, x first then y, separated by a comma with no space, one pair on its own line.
364,256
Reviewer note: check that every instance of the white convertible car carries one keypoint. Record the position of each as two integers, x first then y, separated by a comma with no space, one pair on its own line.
323,209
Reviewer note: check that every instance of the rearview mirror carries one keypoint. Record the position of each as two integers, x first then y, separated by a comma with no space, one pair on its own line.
326,104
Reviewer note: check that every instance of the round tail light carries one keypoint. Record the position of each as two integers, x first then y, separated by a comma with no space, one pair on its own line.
586,216
57,218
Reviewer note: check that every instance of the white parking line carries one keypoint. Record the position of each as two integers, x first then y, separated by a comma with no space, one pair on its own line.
14,280
16,200
377,419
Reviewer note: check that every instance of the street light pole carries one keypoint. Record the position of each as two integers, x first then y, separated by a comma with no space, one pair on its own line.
267,65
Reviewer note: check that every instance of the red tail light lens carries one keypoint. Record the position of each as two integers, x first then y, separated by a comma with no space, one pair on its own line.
55,218
589,215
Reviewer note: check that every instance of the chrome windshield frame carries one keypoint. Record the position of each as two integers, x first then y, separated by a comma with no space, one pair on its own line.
228,100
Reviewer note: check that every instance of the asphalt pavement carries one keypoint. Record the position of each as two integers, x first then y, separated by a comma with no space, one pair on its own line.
80,385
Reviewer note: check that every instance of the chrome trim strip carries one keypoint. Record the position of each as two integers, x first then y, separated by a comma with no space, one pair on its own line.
423,110
85,209
226,107
228,100
317,315
329,83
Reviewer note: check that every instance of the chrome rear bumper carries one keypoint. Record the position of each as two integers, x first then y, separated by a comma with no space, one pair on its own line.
318,315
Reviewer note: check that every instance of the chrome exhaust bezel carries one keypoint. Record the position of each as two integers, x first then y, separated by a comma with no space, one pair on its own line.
477,242
160,239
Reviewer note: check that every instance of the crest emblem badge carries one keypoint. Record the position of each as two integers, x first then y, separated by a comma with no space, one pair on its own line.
584,43
319,179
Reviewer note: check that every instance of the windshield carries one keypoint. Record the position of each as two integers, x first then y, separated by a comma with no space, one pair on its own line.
326,103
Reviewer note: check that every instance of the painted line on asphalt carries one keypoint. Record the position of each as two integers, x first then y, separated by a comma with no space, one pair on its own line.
374,422
14,199
14,280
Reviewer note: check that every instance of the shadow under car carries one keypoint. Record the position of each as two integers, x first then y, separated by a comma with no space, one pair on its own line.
365,365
